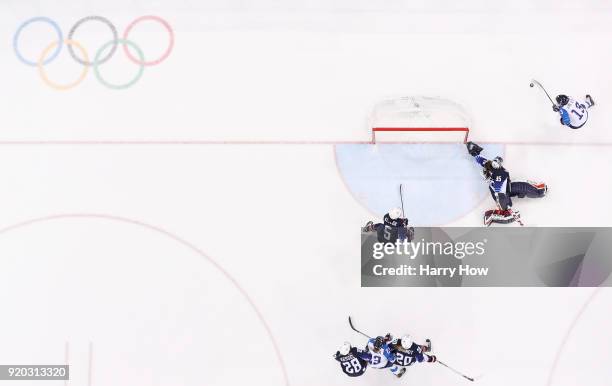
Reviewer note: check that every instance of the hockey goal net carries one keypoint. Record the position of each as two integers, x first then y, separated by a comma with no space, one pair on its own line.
419,119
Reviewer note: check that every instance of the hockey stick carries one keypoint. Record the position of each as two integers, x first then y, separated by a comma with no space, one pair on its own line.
455,371
402,200
533,81
442,363
356,330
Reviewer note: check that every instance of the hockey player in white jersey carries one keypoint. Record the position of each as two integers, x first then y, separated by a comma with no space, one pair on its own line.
381,356
574,113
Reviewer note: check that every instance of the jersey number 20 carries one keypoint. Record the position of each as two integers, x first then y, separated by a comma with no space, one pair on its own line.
402,359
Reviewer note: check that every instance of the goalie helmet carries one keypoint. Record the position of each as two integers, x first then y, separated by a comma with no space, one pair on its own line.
406,342
345,348
562,100
497,162
395,213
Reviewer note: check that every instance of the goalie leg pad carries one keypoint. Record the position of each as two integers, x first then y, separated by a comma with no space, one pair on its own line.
498,216
504,201
528,189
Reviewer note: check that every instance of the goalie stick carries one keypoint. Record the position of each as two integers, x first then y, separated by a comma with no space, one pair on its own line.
438,361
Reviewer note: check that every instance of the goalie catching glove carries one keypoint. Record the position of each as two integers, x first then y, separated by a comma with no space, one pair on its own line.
473,149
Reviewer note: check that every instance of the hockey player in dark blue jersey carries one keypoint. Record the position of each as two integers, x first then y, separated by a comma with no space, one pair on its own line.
573,113
384,352
407,352
394,227
503,189
395,219
353,361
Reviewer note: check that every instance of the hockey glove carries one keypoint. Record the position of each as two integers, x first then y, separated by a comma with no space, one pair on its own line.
432,358
473,149
555,108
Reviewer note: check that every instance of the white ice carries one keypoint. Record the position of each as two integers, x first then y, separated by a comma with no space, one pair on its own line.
167,257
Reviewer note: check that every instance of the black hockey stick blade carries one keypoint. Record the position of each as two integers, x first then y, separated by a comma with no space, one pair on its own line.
356,330
456,372
535,82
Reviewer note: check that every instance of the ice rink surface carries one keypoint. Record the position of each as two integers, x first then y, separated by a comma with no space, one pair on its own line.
197,228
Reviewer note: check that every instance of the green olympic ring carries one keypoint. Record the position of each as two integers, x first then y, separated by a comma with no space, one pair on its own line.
130,83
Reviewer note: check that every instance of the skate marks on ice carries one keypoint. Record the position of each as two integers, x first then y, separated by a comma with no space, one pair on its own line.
152,309
441,181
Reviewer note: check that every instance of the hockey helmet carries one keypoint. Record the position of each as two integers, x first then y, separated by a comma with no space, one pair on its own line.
345,348
406,341
378,342
395,213
562,100
497,162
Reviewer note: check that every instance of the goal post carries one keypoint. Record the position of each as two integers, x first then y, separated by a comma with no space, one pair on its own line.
419,119
464,130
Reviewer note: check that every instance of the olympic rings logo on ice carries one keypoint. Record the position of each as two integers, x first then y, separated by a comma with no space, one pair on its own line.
102,55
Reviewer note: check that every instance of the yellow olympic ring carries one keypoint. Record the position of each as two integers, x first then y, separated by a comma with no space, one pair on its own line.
43,74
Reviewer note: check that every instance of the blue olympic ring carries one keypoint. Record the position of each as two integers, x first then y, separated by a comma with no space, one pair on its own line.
60,39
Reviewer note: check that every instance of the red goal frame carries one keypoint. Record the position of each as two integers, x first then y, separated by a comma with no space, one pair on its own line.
466,130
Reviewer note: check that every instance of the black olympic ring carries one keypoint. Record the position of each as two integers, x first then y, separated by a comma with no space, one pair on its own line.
110,26
52,50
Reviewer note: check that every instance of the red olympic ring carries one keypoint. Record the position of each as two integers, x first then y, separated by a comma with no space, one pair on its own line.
168,28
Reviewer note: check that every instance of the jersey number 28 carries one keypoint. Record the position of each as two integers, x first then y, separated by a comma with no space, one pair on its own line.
352,367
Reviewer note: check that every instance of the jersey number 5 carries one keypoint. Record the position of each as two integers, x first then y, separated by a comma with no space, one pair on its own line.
387,233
